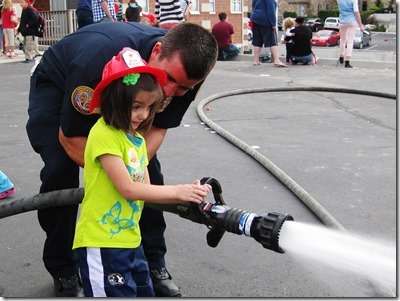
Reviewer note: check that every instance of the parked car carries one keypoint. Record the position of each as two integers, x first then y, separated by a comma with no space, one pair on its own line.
362,38
325,38
332,23
315,24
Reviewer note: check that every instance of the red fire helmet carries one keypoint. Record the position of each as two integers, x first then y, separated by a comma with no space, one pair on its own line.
127,61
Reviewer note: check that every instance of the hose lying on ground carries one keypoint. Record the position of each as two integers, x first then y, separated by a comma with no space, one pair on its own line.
304,196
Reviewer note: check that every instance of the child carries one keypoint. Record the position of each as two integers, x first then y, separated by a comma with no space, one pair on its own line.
148,19
6,187
287,26
10,20
116,181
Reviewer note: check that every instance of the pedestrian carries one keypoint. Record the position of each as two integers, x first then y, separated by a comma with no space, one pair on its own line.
186,6
59,122
132,12
301,50
6,187
36,40
223,32
287,26
1,30
84,13
350,20
103,11
107,236
149,19
168,13
118,10
28,21
10,20
264,21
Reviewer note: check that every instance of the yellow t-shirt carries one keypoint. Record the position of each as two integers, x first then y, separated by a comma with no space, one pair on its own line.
106,218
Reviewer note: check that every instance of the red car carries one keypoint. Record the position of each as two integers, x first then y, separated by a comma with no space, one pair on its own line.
325,38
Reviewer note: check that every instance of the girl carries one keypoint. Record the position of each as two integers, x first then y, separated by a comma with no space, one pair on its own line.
116,181
288,25
10,20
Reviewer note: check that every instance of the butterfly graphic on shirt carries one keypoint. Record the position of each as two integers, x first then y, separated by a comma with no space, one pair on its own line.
115,222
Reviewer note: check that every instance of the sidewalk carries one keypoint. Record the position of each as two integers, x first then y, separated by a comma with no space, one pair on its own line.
20,57
329,57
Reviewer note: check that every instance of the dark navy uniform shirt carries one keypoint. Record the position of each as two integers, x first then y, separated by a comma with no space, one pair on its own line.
75,65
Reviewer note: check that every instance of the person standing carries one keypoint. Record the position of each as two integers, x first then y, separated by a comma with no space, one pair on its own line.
118,10
1,30
10,20
223,32
103,11
168,13
132,12
84,13
350,19
186,6
36,40
62,88
264,21
117,184
29,19
301,36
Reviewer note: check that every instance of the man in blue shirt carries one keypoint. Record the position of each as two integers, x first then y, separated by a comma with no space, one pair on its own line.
59,122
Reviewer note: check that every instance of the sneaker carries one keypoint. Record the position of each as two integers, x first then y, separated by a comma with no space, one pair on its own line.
163,284
6,187
28,61
68,287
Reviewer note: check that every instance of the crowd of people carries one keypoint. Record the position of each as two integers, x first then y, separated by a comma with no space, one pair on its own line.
11,25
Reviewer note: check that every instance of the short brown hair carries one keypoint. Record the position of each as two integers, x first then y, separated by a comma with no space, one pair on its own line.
196,46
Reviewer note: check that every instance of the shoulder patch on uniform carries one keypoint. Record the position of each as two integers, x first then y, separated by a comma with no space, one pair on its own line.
80,99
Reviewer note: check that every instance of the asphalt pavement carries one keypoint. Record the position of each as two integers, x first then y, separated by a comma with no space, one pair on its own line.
340,147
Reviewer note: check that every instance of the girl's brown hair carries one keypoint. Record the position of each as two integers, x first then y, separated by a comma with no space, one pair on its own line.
117,100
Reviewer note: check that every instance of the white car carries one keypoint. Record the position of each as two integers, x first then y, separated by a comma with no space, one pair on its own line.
332,23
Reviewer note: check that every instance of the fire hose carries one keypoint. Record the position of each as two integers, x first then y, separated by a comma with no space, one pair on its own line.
218,217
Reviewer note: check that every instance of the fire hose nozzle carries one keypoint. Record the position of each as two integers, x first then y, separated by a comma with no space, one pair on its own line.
266,228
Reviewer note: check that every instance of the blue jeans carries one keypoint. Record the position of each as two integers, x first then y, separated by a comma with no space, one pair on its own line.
306,59
231,51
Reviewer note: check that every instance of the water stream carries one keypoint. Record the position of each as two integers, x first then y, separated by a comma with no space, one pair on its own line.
350,264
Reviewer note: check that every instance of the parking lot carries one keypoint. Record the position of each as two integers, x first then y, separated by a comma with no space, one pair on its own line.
340,147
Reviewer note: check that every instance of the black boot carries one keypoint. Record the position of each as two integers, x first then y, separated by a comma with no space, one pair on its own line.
68,287
347,64
163,284
341,59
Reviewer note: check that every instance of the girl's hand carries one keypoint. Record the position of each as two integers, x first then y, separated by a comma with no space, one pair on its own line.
194,192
